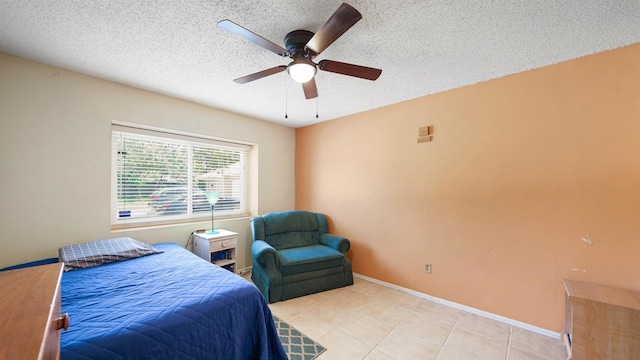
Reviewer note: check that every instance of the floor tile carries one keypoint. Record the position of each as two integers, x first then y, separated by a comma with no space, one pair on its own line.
462,344
310,325
414,338
332,314
428,310
377,355
341,346
401,349
539,345
515,354
371,321
485,327
396,297
384,311
290,308
366,328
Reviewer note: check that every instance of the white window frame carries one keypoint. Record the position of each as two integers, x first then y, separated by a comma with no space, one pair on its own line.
119,218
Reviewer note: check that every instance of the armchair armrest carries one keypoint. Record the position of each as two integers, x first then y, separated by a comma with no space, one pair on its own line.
264,253
335,242
267,264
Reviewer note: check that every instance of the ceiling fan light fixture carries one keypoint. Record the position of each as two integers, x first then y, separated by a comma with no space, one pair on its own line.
302,70
302,46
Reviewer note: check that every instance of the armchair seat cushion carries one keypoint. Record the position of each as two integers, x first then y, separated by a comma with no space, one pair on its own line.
308,258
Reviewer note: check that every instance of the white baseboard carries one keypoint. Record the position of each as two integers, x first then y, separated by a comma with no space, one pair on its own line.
469,309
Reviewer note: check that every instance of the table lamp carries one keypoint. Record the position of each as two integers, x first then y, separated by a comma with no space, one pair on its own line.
212,198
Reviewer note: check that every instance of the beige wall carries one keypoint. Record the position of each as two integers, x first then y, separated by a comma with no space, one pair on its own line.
55,131
530,179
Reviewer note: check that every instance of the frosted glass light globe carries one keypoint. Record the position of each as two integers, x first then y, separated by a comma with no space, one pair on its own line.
301,71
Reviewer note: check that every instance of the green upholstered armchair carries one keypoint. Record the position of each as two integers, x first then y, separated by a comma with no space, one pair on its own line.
294,255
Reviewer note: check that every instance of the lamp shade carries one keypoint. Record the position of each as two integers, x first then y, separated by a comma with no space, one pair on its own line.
212,197
301,70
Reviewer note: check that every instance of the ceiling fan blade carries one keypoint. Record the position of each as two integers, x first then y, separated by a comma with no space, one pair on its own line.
358,71
310,89
230,26
260,74
342,20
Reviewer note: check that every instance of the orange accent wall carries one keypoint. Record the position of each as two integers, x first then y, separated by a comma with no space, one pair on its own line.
529,179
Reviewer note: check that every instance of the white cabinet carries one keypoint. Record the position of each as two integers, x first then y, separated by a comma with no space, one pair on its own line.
218,249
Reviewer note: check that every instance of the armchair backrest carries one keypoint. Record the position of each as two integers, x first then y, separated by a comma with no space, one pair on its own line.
288,229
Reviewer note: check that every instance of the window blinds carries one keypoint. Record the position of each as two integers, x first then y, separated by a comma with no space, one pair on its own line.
163,177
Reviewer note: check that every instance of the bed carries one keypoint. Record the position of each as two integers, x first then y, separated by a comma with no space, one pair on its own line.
171,305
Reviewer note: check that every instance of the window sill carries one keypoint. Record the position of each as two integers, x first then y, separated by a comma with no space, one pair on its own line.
185,222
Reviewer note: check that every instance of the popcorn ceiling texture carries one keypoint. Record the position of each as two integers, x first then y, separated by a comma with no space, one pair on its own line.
423,47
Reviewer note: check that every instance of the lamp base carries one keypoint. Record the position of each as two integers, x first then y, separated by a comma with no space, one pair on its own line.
212,232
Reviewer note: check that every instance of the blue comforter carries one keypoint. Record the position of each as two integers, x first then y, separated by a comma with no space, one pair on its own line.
172,305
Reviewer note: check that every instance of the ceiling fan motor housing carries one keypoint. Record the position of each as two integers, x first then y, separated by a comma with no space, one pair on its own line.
296,40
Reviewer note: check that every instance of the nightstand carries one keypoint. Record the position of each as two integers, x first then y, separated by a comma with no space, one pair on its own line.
219,249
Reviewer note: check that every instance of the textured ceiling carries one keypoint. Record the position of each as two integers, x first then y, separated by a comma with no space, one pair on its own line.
173,47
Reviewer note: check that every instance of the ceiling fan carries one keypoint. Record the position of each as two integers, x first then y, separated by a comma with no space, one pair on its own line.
302,46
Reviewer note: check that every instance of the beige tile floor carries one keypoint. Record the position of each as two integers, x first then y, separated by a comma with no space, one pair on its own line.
374,322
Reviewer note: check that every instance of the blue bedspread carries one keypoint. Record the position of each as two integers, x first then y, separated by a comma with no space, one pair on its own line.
172,305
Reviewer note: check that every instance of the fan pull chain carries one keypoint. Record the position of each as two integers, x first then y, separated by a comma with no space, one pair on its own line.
286,105
316,107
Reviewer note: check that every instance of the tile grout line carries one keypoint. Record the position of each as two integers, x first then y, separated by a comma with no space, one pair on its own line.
392,329
334,327
509,342
448,335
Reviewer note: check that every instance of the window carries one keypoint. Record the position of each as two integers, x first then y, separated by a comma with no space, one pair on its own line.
161,178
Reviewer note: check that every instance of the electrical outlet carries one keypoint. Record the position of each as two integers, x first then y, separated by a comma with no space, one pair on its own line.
427,267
